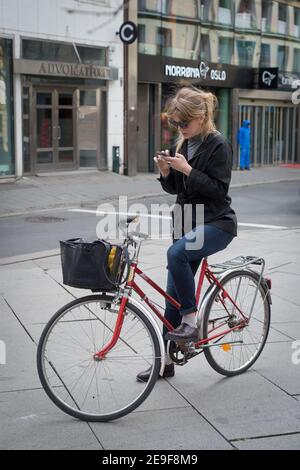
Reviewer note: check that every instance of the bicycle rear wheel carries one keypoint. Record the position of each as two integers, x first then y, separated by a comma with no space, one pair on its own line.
74,381
233,353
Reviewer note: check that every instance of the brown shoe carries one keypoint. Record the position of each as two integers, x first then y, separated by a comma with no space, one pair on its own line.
168,372
184,333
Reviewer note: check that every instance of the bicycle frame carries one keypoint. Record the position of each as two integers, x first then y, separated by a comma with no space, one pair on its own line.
131,285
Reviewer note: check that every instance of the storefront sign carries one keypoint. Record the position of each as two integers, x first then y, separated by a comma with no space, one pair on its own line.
288,81
268,78
157,69
203,71
62,69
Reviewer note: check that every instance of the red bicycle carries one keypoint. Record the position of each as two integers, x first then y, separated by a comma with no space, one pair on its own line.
92,349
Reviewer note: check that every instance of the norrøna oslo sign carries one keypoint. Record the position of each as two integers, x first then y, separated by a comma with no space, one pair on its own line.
203,71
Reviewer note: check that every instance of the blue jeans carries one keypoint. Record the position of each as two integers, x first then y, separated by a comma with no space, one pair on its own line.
183,265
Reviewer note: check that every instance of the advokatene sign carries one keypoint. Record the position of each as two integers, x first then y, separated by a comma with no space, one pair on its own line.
63,69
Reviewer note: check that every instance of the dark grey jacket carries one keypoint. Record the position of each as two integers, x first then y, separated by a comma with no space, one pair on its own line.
207,184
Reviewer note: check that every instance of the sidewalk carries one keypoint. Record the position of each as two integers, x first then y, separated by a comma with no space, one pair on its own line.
90,189
197,409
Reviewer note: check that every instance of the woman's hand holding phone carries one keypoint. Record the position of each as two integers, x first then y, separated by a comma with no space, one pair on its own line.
163,165
178,162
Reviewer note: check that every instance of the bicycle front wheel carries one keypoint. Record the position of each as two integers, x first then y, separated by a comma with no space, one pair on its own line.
234,352
79,385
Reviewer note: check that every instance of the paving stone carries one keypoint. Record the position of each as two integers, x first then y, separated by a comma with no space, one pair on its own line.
29,421
19,373
276,364
289,442
173,429
243,406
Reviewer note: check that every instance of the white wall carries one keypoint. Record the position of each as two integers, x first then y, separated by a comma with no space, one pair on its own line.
53,20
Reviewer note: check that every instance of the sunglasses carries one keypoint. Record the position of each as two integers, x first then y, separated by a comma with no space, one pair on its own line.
177,124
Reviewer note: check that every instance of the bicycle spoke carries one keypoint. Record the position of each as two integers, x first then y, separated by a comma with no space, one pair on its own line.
83,385
232,358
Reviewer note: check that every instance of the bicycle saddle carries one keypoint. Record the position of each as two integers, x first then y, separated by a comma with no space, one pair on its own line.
129,219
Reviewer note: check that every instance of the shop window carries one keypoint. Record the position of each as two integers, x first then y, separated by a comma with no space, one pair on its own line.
205,50
282,19
88,98
60,52
44,50
266,14
245,51
265,55
7,165
205,11
225,12
158,6
142,5
164,41
296,67
65,99
141,33
282,57
164,6
44,99
225,50
296,29
187,9
92,55
26,130
246,15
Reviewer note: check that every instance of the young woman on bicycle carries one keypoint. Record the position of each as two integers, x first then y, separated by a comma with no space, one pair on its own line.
200,174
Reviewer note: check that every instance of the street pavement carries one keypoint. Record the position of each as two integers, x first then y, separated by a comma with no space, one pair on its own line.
90,189
197,409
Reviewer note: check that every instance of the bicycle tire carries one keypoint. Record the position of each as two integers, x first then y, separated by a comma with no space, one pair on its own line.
209,352
43,362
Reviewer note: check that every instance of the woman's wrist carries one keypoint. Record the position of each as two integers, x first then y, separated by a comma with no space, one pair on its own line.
165,173
187,170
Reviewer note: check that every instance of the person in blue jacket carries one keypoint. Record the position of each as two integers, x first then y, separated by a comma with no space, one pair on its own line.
244,140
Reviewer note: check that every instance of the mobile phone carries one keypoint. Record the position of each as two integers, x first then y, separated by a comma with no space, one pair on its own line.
163,154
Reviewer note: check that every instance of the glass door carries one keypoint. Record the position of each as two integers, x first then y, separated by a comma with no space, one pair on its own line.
54,133
44,129
65,142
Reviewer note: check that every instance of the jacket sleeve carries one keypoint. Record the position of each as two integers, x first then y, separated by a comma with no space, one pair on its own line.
214,182
169,183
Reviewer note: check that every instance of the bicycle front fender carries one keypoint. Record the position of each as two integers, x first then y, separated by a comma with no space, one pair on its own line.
138,305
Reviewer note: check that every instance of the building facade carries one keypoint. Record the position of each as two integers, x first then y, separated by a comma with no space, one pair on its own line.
247,52
61,86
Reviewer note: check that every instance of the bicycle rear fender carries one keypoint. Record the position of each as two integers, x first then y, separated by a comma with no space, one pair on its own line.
156,328
212,288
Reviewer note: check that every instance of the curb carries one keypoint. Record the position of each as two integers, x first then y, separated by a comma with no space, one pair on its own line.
66,206
29,257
